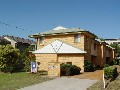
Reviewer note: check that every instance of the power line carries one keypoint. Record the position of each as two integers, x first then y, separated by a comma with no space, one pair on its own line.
16,27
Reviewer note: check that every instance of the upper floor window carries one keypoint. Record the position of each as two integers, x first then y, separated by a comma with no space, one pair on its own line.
32,47
86,39
87,42
94,46
41,40
69,63
77,38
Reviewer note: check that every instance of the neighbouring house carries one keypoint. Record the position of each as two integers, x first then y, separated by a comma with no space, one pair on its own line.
70,45
114,40
20,43
3,41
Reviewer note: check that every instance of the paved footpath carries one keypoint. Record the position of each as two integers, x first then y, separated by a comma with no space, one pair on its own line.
62,83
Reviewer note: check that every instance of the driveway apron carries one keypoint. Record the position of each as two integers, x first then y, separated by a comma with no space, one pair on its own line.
62,83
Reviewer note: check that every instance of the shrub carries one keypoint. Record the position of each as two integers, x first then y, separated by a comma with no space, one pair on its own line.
106,65
111,62
69,70
110,72
9,58
115,62
27,57
88,66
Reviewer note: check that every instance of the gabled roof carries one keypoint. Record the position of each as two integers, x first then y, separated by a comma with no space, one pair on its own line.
58,47
99,40
59,27
2,39
18,39
61,30
110,46
67,30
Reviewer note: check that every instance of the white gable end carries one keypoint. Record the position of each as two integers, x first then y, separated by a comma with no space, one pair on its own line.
58,47
69,49
46,49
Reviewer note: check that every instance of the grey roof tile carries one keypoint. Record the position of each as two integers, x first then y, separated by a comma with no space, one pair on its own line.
22,40
3,39
68,30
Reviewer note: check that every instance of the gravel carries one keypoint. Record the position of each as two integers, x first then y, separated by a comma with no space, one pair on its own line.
62,83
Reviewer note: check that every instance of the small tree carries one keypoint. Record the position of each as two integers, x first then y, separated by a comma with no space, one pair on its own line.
117,52
9,58
88,66
27,57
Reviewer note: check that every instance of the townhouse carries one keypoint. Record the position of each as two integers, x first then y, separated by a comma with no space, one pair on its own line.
70,45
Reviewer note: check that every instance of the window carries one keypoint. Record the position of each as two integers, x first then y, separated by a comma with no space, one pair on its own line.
86,39
94,46
32,47
17,45
38,63
87,42
69,63
41,40
109,51
77,38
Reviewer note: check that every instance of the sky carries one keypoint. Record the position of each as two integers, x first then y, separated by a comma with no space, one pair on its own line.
25,17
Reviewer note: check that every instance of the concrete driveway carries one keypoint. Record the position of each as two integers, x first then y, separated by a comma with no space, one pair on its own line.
62,83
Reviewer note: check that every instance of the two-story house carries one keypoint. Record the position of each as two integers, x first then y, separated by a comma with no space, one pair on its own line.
70,45
113,40
20,43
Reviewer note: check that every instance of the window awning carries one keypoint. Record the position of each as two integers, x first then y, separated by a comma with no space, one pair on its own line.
58,47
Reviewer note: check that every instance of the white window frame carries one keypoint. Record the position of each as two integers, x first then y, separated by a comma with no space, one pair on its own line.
77,38
41,40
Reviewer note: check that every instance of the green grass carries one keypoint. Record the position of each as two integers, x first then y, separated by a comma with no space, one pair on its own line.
113,85
19,80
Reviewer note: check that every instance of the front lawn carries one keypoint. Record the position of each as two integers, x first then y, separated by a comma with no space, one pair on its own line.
19,80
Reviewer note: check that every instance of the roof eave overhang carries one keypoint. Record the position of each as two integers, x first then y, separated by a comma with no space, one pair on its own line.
52,34
62,33
59,53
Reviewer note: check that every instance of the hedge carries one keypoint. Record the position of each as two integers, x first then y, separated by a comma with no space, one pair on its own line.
110,72
69,70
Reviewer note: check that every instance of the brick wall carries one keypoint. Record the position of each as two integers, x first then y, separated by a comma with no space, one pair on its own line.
76,59
65,38
86,42
43,59
54,69
99,55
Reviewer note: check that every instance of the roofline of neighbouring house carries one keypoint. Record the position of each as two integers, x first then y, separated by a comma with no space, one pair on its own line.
31,42
3,39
